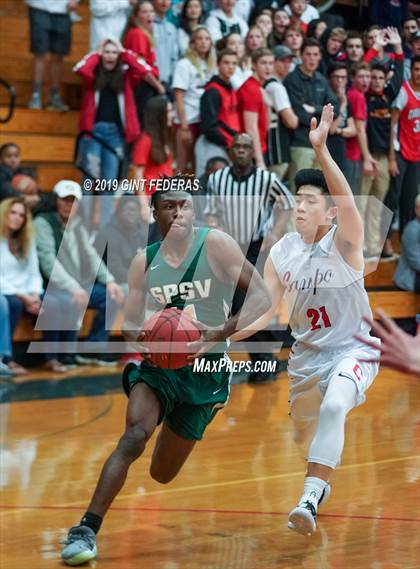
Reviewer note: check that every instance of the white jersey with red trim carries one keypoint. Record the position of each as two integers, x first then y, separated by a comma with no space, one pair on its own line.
326,297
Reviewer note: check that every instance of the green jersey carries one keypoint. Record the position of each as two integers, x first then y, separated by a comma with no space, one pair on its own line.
192,286
188,400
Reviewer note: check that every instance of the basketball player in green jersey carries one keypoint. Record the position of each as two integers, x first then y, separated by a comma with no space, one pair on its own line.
194,267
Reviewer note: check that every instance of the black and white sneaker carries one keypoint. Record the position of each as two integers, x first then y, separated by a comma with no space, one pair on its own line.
302,519
325,496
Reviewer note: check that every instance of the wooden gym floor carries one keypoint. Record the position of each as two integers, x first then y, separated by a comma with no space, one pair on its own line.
228,507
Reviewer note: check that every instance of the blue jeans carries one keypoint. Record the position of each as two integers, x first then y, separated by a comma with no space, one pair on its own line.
100,301
103,165
58,308
5,338
54,309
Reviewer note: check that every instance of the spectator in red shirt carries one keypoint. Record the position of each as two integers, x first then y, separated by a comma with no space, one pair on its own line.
252,105
220,118
138,37
138,33
404,156
152,156
108,110
357,151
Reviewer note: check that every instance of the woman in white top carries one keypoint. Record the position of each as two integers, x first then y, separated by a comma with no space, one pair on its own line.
20,278
191,17
190,77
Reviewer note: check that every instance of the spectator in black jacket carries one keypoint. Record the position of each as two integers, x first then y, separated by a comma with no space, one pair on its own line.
220,119
379,99
332,43
309,92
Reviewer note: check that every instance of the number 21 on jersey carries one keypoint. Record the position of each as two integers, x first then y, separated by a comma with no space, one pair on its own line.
315,314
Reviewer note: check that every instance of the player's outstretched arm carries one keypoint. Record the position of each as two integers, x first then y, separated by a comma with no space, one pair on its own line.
134,305
349,221
227,255
276,289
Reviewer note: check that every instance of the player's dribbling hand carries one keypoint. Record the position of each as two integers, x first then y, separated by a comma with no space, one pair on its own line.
142,348
209,338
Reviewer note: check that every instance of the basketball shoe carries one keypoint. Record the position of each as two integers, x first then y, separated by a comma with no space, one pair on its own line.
302,519
80,546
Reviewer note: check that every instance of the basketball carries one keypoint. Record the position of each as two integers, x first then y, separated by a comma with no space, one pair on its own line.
23,183
168,326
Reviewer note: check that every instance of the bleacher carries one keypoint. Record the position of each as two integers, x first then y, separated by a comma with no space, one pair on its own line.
47,141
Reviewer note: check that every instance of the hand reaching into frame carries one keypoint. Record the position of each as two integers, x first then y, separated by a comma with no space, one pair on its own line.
398,350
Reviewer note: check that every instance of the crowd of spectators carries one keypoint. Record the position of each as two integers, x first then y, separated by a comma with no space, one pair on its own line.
167,88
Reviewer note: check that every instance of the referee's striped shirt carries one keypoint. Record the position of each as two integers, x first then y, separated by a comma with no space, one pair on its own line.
245,204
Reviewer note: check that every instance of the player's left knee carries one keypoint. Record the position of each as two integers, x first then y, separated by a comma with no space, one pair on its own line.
333,408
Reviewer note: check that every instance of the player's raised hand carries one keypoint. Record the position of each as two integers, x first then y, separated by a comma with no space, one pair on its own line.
319,133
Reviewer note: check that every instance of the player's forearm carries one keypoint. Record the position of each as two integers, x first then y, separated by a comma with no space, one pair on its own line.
259,324
362,138
251,128
133,317
255,307
279,228
130,331
336,181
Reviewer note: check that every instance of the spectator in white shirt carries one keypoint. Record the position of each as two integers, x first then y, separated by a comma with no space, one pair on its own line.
191,75
20,277
283,116
224,21
302,10
166,37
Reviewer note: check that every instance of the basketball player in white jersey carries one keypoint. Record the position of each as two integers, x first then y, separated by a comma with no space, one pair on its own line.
319,270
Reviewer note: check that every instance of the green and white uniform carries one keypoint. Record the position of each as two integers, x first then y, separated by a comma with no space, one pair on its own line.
189,400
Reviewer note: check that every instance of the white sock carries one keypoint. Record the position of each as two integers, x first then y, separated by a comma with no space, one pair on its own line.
312,490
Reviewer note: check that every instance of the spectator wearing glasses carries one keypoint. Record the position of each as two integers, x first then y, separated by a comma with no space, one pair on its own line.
343,126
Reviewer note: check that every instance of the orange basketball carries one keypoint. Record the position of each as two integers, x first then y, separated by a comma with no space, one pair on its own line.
25,184
170,329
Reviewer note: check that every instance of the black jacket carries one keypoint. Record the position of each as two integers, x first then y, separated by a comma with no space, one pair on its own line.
211,107
313,91
379,111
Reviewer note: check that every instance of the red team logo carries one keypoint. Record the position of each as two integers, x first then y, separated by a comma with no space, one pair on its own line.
357,370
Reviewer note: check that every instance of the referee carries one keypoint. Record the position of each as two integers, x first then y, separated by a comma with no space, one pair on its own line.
253,206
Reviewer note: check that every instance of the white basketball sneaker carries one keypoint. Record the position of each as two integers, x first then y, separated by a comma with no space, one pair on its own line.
302,519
